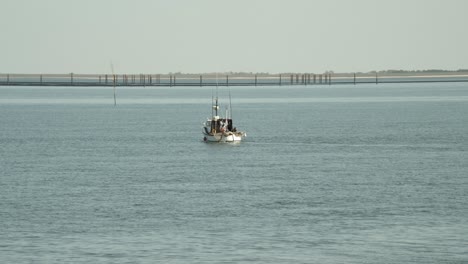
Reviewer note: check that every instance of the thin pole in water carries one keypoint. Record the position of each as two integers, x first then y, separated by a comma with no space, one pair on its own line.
113,75
115,99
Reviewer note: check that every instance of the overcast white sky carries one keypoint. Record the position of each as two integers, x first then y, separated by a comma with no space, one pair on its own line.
151,36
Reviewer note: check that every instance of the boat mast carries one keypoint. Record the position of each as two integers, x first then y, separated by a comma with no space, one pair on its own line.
230,105
217,107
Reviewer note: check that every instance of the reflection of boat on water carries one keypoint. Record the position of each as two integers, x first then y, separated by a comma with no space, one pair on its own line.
217,129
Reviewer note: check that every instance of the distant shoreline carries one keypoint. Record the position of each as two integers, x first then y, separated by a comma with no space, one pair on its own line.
386,73
232,78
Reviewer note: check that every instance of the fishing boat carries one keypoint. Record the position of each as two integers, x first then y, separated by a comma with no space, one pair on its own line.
221,129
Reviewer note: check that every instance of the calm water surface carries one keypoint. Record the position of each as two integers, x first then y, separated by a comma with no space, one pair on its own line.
330,174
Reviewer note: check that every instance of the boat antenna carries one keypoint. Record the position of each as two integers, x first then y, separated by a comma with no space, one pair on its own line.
113,77
216,85
230,105
216,94
212,101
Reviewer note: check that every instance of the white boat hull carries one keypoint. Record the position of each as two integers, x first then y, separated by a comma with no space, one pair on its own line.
224,137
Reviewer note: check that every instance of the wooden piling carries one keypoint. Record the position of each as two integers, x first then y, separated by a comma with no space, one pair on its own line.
40,79
354,78
329,78
376,79
227,80
255,79
292,79
71,78
280,80
8,79
201,81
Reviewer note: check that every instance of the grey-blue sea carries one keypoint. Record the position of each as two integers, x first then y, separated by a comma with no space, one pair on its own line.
327,174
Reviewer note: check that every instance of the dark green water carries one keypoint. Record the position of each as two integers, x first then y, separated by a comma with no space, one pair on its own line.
348,174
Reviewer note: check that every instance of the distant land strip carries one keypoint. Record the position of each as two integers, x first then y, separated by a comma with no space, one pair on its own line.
232,79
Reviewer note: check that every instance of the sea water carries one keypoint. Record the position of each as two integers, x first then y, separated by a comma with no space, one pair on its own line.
327,174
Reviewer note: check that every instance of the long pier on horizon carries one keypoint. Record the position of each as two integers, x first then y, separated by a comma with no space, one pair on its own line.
193,80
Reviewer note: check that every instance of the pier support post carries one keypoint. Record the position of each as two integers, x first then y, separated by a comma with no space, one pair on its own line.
354,78
376,79
71,78
329,78
255,79
227,80
174,80
8,79
40,79
201,81
280,80
315,79
292,79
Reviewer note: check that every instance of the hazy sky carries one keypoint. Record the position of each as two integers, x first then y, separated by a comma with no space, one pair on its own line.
152,36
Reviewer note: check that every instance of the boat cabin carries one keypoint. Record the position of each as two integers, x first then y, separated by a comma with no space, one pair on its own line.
219,125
